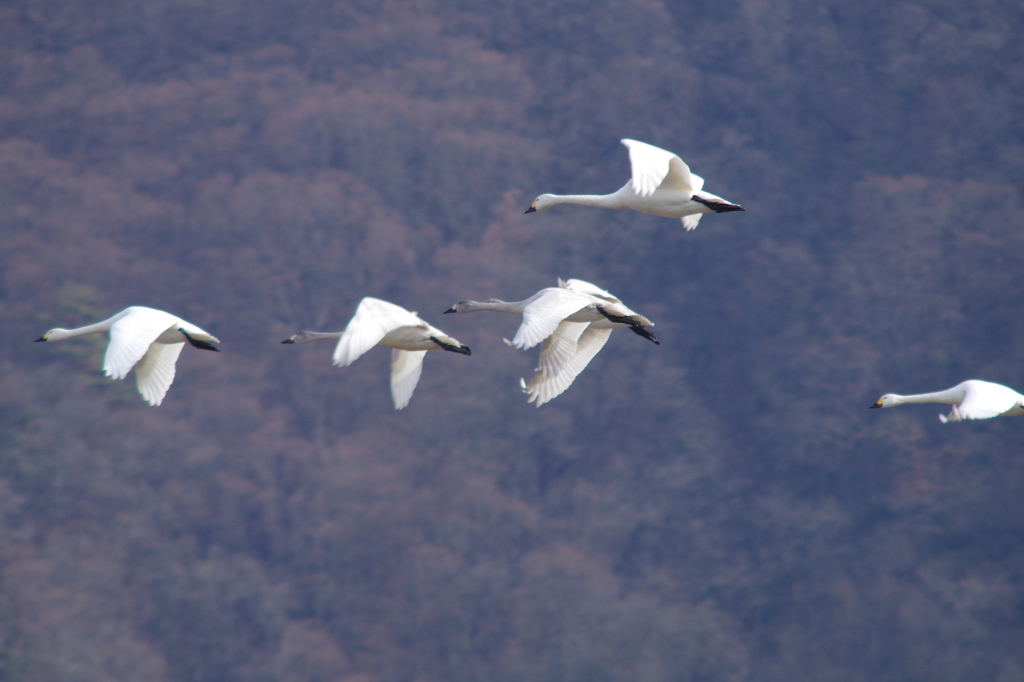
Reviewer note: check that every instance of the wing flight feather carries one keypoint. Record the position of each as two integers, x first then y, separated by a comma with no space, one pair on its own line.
154,374
372,321
131,337
654,168
543,315
541,388
406,366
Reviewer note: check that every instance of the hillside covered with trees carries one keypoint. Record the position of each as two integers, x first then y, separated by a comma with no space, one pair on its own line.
720,507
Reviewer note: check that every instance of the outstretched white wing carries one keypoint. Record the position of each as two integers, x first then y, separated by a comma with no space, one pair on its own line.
654,167
155,372
559,348
131,337
582,287
373,319
543,315
541,389
406,366
984,400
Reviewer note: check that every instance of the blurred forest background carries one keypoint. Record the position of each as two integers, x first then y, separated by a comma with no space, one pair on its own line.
723,507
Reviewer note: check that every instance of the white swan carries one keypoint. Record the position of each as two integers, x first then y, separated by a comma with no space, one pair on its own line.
972,399
572,346
144,338
558,317
545,310
378,322
662,185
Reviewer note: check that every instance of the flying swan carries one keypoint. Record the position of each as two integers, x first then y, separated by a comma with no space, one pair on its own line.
378,322
662,185
144,338
972,399
544,314
579,342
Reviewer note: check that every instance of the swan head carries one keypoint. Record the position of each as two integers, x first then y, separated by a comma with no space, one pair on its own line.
542,202
887,400
461,307
53,335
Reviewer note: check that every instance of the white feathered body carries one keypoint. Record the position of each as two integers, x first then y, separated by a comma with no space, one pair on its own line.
415,338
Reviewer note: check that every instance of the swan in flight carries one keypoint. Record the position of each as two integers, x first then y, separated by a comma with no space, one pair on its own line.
972,399
572,346
662,185
144,338
545,312
378,322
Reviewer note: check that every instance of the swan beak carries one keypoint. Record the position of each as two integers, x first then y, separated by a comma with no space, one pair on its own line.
878,404
531,210
41,338
288,341
450,310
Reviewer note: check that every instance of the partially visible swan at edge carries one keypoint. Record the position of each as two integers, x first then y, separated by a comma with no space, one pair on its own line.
662,185
545,311
579,342
972,399
144,338
378,322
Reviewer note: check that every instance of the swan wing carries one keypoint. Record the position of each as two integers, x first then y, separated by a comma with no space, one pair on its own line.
559,348
581,287
542,389
655,168
542,316
372,321
155,372
984,400
131,337
406,366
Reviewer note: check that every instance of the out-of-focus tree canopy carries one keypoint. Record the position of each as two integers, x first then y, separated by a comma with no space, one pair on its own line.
721,507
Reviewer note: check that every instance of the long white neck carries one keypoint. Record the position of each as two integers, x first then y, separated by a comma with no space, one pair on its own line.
951,396
309,337
61,334
514,307
614,200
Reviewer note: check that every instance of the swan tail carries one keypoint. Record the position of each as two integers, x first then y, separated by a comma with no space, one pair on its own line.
690,221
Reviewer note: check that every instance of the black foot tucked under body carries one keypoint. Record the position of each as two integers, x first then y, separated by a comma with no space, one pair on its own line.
635,326
205,345
716,206
447,346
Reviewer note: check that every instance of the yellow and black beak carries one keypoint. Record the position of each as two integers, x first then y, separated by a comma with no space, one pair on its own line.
878,403
533,207
43,337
